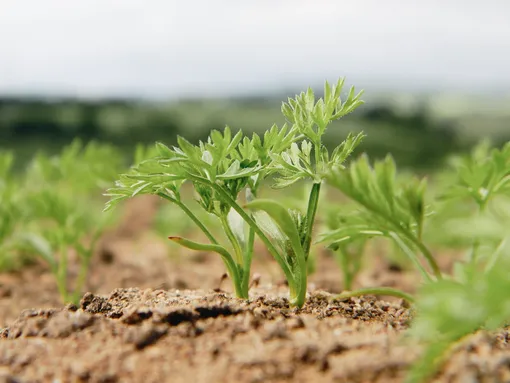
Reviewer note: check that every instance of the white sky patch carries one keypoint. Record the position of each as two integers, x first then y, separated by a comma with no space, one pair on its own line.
162,48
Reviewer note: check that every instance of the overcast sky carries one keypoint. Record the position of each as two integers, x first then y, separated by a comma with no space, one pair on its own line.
170,48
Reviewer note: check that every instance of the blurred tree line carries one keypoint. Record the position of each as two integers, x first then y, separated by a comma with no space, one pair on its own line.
415,139
120,122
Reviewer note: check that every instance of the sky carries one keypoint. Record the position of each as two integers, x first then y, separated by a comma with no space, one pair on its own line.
170,48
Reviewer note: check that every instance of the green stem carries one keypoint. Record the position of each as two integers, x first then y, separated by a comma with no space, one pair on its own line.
82,276
493,258
343,259
298,291
411,254
423,250
191,215
317,148
476,242
85,255
429,257
62,274
248,255
313,203
399,229
233,240
232,267
473,256
386,291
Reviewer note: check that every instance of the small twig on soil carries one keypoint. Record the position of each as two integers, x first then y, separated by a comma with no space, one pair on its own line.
387,291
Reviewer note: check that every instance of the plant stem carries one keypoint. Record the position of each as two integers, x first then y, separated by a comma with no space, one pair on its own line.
232,268
387,291
493,258
62,274
248,255
317,148
430,259
399,229
473,255
233,240
343,259
424,250
476,242
313,203
411,254
82,276
85,255
191,215
298,288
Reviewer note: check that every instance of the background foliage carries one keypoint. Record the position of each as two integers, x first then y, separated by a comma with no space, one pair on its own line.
419,131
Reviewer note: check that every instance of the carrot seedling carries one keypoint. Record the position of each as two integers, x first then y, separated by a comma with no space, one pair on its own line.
389,210
61,218
448,308
12,216
227,167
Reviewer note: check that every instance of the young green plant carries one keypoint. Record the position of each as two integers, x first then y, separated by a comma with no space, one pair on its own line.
307,159
387,209
12,216
448,307
61,192
476,296
219,170
226,165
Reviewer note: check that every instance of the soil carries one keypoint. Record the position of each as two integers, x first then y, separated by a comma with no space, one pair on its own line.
181,323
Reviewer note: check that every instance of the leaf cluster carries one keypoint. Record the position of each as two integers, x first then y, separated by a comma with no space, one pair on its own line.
481,175
475,296
232,162
52,209
449,310
312,117
386,208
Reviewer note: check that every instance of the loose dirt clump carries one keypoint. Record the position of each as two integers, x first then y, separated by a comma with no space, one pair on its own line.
151,335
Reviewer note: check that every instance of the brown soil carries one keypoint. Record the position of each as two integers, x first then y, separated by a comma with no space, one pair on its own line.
175,328
193,336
